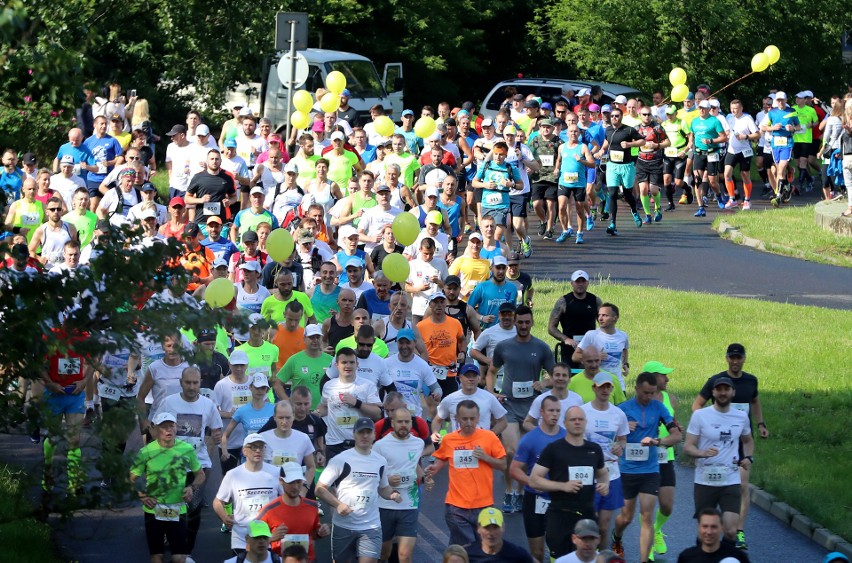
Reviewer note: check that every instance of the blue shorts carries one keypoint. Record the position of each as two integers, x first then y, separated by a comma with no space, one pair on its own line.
65,404
500,215
614,500
618,174
93,188
591,175
781,154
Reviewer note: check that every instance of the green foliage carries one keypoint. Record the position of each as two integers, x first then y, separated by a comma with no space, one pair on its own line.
34,126
24,538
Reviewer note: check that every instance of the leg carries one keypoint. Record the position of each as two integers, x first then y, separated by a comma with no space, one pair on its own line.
580,208
624,518
510,437
729,525
745,499
604,522
647,504
405,551
645,197
551,212
563,211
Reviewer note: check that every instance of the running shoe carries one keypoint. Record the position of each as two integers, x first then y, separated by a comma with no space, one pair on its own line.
647,220
660,546
541,228
526,248
579,238
590,223
637,220
570,232
467,229
746,205
732,204
683,199
508,507
564,236
617,546
767,189
611,230
704,200
671,207
658,216
786,194
701,212
518,502
225,529
774,201
548,234
741,542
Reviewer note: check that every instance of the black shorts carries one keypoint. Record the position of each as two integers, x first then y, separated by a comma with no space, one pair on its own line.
535,525
560,524
461,184
801,150
674,167
734,159
578,193
702,163
667,474
543,190
815,145
157,530
635,483
477,195
726,498
518,205
650,171
449,385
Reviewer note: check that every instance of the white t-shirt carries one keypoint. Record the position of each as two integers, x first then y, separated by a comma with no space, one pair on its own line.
602,428
527,156
743,126
199,155
720,430
373,221
249,148
571,400
166,382
181,159
442,242
613,344
373,368
403,457
118,210
488,406
66,187
248,491
572,558
161,210
490,337
296,447
236,166
192,419
229,396
410,377
151,350
418,272
341,417
365,286
364,476
248,303
113,383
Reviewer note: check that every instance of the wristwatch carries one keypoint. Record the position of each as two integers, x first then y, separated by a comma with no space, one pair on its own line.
750,458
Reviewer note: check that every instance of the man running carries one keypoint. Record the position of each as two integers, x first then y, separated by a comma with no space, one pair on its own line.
620,168
740,152
649,166
674,157
781,122
706,133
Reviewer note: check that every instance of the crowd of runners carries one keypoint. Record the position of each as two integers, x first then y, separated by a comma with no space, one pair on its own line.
350,393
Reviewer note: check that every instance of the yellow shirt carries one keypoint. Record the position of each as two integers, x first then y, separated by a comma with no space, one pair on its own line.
471,271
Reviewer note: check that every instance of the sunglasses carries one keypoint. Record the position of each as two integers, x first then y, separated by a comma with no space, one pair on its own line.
645,114
133,158
54,209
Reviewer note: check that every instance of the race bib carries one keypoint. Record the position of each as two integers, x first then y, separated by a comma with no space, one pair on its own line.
714,474
68,366
767,150
108,391
584,474
207,393
167,512
671,152
744,407
212,208
779,141
102,169
546,159
280,458
440,372
346,420
616,156
570,177
747,153
362,498
541,505
662,455
611,466
77,169
636,452
258,501
522,389
713,157
295,539
242,398
463,459
28,219
493,199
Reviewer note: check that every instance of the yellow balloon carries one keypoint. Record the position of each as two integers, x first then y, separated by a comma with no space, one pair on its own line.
677,76
680,92
383,126
330,102
335,81
424,127
405,228
759,62
300,120
303,101
773,53
219,293
395,266
280,244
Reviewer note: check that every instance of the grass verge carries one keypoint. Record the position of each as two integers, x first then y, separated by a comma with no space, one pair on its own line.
23,537
791,231
799,354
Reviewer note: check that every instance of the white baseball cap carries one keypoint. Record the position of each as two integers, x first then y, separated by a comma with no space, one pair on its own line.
238,358
313,330
259,380
338,136
202,130
346,231
292,471
253,438
620,100
579,274
781,95
499,260
164,417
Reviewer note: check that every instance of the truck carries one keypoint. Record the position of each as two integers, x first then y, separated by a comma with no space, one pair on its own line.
269,97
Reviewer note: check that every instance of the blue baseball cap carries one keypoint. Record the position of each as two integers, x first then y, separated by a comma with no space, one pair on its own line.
230,143
546,105
467,368
690,96
835,556
346,93
405,333
407,112
606,108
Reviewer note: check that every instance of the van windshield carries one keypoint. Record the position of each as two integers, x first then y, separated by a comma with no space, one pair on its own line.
362,80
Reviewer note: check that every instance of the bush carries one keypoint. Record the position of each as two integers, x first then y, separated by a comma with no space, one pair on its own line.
35,126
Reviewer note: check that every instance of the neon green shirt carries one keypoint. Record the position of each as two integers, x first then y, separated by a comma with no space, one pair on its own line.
582,385
272,308
164,470
85,225
806,115
379,347
261,358
676,131
302,369
340,167
407,163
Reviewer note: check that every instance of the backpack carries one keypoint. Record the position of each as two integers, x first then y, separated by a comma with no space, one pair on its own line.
275,557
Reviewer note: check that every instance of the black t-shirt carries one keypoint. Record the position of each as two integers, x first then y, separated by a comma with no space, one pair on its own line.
349,115
312,425
379,254
217,186
616,136
272,268
213,370
745,388
509,553
523,283
558,457
697,555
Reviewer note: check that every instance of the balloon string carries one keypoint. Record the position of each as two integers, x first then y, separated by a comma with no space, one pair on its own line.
731,84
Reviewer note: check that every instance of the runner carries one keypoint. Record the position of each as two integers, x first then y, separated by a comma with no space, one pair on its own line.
285,445
674,157
229,394
781,122
572,162
491,545
620,168
560,376
612,342
492,414
706,133
710,547
583,382
649,166
306,367
445,343
740,152
573,316
483,348
586,538
411,374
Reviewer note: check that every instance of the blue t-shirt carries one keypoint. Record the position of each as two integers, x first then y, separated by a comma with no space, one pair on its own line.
648,420
488,296
12,184
103,149
572,173
530,448
368,155
453,215
414,143
251,419
782,137
497,198
222,248
374,305
343,258
81,155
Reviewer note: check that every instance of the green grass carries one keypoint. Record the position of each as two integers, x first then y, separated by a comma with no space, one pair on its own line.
23,537
161,181
799,354
791,231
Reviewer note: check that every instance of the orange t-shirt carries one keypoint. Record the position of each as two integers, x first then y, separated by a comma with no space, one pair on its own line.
302,519
288,343
198,261
441,340
471,480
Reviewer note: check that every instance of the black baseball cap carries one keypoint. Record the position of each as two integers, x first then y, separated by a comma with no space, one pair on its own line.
450,280
191,229
724,380
735,350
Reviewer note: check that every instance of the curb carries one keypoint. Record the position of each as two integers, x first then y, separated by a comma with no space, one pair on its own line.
730,232
799,522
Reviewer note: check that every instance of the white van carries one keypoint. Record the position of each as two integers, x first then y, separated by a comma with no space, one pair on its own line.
366,89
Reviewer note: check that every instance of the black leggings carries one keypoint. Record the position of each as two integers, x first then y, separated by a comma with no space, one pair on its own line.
612,200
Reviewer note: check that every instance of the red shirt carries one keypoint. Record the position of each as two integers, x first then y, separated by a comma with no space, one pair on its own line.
66,367
302,519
